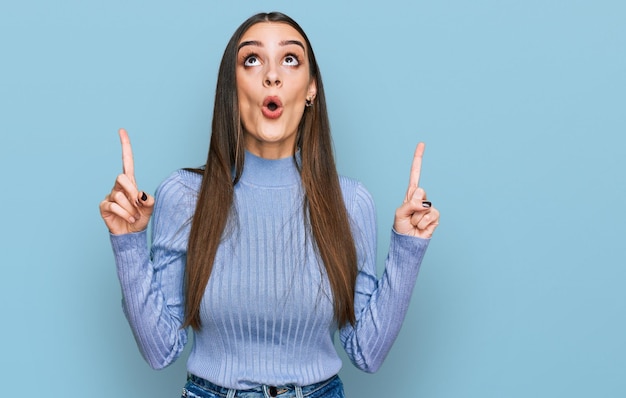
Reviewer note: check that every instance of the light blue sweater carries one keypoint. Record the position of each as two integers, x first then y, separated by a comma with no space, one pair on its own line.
267,312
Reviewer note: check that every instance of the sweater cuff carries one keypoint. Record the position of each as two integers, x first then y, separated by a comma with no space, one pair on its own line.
407,250
131,241
131,256
413,244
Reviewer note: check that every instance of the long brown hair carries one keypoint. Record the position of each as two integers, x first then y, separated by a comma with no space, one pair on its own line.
323,204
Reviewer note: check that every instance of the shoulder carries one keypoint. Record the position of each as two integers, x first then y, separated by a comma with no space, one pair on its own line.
361,212
177,186
175,201
181,180
355,195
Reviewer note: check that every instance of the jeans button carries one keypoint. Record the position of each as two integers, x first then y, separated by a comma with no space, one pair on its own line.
273,391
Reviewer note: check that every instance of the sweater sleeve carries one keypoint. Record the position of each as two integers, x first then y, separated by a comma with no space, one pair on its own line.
380,305
152,282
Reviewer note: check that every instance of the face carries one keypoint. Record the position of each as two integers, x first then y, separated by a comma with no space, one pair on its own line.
273,84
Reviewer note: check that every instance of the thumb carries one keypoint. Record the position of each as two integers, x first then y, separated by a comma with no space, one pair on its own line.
145,202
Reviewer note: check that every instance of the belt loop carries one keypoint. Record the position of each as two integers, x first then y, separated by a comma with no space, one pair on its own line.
231,393
299,392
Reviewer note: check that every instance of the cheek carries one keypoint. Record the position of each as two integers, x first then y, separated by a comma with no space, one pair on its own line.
246,101
243,92
246,113
245,86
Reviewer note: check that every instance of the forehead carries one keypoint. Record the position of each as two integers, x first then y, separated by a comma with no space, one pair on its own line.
271,32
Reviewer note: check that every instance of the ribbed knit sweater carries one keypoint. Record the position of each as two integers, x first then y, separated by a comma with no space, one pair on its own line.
267,311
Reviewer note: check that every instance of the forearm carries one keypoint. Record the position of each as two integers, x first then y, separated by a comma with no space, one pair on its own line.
154,318
384,307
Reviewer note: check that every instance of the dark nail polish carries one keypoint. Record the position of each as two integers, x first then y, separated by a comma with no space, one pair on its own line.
144,197
426,204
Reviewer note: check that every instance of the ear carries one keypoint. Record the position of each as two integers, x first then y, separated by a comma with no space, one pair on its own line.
312,92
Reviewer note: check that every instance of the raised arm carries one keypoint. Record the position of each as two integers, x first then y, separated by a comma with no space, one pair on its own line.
381,305
151,279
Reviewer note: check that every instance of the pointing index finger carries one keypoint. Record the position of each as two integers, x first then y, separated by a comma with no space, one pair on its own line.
416,166
128,164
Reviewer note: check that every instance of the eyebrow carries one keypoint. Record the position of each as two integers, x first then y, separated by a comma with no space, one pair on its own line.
259,44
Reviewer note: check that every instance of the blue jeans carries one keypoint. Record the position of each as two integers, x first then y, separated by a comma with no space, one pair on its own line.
197,387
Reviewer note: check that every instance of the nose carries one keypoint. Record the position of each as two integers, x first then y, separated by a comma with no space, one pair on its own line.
271,77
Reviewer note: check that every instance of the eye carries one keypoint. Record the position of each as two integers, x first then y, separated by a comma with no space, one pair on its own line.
291,60
251,60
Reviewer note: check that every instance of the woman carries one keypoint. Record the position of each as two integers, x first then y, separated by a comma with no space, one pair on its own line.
265,252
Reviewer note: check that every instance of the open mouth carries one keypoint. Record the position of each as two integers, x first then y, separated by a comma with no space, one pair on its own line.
272,107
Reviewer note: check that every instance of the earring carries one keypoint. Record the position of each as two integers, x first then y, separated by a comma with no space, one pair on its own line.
308,103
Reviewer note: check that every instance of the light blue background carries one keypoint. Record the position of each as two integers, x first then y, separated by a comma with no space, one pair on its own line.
522,105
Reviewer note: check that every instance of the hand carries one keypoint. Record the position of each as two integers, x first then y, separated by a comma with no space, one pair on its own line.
416,216
126,209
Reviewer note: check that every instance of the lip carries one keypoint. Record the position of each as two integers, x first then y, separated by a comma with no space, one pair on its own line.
272,113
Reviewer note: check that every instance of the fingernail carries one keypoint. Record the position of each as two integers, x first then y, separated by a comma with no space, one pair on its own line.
144,197
426,204
132,220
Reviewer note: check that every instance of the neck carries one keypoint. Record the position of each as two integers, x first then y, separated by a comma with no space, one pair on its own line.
269,150
270,172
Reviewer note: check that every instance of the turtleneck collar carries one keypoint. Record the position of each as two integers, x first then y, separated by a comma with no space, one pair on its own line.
270,172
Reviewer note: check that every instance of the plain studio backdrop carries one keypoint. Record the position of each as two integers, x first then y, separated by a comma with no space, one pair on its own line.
522,105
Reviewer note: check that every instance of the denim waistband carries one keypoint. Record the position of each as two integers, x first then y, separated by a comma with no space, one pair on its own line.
260,391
